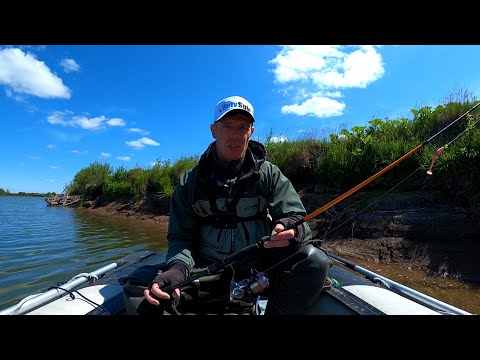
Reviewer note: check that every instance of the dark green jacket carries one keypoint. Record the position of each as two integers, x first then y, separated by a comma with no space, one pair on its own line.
199,236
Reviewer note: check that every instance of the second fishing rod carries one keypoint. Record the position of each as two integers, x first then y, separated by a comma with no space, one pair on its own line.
221,264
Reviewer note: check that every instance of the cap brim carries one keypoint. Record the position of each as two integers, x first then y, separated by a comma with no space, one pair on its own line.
239,110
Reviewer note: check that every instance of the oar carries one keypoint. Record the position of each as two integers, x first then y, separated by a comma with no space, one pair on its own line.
403,290
34,301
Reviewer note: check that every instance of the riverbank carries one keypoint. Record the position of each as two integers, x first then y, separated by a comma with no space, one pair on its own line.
417,230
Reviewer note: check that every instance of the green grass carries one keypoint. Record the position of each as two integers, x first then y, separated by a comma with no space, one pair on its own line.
340,161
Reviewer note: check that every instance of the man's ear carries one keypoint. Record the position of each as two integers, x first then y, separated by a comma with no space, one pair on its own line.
213,129
251,132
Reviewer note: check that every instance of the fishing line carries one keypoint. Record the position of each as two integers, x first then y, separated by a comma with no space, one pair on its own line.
343,223
371,204
374,176
440,149
217,266
366,182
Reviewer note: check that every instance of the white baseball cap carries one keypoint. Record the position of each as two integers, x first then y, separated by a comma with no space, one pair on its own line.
232,103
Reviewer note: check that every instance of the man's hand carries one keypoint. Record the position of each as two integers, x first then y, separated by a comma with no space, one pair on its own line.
176,273
281,238
155,293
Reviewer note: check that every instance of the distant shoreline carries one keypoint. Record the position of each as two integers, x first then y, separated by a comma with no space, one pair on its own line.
24,194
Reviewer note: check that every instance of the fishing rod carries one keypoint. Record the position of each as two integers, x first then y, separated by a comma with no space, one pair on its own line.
374,176
219,265
215,267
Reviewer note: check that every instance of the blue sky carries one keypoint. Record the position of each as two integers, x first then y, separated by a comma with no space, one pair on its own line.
63,107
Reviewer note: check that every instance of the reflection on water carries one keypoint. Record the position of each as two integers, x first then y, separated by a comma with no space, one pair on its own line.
104,238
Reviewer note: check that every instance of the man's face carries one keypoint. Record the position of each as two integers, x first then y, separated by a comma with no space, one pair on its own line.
233,133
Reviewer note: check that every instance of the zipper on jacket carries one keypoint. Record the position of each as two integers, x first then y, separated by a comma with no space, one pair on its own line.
245,231
232,240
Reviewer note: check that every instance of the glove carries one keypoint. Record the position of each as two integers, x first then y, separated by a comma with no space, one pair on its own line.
297,240
176,272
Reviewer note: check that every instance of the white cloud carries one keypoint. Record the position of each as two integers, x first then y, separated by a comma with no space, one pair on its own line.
20,98
22,73
295,63
51,146
57,119
54,167
69,65
313,75
140,143
86,123
140,131
116,122
124,158
79,152
105,155
66,118
316,106
357,69
277,139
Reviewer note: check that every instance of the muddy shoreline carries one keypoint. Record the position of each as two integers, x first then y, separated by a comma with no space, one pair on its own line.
417,230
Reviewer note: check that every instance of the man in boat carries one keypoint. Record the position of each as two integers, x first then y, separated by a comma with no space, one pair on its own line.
231,199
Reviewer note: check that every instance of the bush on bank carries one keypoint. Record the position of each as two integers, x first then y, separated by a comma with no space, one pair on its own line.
338,161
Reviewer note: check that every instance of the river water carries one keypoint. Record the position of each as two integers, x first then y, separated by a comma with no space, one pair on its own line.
460,294
43,246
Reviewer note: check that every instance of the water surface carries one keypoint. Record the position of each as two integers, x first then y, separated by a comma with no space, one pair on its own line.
42,246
